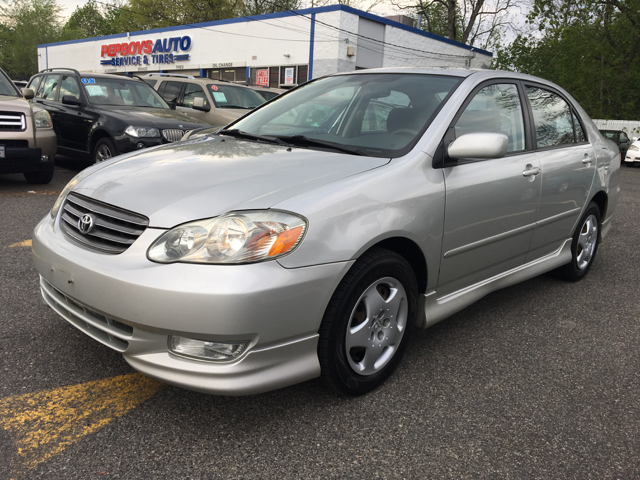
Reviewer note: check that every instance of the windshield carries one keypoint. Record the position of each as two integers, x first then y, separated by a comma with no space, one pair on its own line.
379,114
7,87
115,91
229,96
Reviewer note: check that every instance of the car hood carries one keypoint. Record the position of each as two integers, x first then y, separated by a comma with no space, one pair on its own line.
15,104
210,176
153,117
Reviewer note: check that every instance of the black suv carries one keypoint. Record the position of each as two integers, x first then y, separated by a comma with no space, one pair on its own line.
98,116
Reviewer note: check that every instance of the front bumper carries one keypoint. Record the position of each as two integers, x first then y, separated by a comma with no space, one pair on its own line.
23,159
632,157
133,305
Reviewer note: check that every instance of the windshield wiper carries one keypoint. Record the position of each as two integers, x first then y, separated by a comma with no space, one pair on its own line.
234,132
303,141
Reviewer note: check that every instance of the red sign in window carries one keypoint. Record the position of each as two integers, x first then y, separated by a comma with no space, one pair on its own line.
262,77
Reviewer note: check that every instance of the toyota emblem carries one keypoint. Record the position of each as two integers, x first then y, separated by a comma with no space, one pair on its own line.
85,224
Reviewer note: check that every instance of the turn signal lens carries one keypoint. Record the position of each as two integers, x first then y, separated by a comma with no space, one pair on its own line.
285,241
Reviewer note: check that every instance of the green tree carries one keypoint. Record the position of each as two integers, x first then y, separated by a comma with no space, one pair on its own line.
589,47
473,22
25,25
90,20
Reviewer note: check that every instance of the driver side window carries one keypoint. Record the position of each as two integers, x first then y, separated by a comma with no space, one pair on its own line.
495,109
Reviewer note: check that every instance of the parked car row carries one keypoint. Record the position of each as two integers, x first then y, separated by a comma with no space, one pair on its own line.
94,117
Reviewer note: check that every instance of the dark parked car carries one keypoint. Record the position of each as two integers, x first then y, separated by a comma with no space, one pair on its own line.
620,138
98,116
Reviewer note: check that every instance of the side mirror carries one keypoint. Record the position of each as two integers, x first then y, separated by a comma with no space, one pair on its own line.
479,145
27,93
198,104
71,100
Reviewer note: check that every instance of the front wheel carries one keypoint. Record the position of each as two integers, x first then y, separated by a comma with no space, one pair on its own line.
104,150
583,246
368,323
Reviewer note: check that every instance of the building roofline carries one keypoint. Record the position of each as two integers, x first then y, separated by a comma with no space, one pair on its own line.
271,16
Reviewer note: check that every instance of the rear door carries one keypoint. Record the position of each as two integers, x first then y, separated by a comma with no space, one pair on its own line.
567,163
491,204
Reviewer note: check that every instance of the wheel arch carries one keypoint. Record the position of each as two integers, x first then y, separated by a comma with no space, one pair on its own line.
97,135
601,199
412,253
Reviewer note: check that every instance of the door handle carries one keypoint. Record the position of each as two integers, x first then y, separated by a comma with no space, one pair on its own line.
587,159
531,171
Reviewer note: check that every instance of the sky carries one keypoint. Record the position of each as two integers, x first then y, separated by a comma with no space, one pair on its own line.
69,6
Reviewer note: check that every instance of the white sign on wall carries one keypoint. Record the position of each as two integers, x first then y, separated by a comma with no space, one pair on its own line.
288,75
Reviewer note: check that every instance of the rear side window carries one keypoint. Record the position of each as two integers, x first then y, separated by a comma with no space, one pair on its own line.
495,109
552,118
580,136
150,82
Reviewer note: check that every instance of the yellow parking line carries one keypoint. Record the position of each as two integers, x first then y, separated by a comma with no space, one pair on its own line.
44,423
26,243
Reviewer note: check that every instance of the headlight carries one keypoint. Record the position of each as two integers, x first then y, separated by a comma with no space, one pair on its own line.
237,237
141,132
42,119
65,191
634,147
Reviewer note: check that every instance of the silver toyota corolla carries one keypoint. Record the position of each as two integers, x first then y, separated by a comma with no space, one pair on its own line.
309,237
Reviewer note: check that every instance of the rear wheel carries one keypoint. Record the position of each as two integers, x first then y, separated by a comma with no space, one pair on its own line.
583,246
368,323
104,150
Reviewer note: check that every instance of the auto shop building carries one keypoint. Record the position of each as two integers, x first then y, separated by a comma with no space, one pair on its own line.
277,50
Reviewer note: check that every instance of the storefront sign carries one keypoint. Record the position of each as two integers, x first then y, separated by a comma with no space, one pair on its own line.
262,77
146,52
288,76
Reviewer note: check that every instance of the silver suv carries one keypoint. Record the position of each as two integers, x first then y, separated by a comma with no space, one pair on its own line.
27,138
215,102
309,237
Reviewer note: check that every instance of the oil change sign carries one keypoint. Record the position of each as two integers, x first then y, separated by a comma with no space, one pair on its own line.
146,52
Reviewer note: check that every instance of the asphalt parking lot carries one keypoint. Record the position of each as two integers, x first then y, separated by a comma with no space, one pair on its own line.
539,380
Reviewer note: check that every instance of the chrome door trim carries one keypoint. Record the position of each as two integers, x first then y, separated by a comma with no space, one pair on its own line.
489,240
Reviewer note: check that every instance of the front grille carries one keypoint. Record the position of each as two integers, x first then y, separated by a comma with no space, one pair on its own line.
172,134
108,331
112,230
15,143
12,121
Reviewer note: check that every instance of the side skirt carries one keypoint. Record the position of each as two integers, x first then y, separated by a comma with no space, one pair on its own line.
437,309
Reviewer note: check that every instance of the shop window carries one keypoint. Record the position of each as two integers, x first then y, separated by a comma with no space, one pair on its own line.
303,71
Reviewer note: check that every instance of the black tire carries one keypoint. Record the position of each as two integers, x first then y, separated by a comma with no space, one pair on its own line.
346,366
41,177
104,150
583,246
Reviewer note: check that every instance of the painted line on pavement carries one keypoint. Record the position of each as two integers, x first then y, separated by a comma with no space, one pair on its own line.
44,423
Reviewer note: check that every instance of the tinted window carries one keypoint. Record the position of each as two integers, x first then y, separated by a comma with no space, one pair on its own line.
580,136
623,137
171,91
151,82
69,86
228,96
191,92
48,88
34,83
495,109
551,117
117,91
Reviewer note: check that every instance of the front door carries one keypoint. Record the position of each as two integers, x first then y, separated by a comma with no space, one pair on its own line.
491,205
